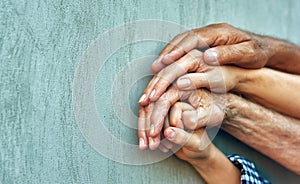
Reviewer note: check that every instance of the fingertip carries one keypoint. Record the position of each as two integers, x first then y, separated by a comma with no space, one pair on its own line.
158,90
169,133
144,102
153,143
167,144
183,82
176,135
173,55
142,144
153,71
155,128
173,123
211,56
143,148
163,148
157,65
155,94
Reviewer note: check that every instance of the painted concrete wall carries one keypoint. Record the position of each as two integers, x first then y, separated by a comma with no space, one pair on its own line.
41,46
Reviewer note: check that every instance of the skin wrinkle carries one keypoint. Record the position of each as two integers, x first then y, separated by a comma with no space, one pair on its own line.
272,133
251,54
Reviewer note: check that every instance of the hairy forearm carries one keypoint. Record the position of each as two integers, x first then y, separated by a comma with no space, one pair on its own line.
274,89
283,55
267,131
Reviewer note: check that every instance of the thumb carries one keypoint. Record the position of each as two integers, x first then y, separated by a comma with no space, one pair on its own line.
240,54
193,81
191,141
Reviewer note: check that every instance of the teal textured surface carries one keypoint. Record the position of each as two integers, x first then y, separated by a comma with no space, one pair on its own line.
41,43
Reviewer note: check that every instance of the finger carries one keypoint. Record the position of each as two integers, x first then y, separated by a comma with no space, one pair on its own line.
189,42
157,64
163,148
153,141
143,140
210,113
162,106
195,119
161,109
164,141
200,38
176,113
192,141
242,54
173,43
188,63
213,79
201,100
144,99
193,81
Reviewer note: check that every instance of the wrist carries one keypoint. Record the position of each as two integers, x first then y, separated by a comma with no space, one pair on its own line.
206,159
279,52
242,78
273,48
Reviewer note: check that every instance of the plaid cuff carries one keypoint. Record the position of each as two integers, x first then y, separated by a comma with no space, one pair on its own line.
249,174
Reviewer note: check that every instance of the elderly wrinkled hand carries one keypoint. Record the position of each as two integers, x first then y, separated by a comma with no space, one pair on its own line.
208,110
225,44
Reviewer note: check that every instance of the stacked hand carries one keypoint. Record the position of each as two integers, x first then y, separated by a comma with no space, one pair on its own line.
204,109
220,58
182,62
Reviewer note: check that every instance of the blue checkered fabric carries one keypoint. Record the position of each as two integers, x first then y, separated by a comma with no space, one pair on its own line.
249,174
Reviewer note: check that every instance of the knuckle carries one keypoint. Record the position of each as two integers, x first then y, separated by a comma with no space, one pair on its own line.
195,52
190,32
163,101
224,24
219,25
148,109
196,57
164,72
199,142
252,49
190,122
141,111
181,35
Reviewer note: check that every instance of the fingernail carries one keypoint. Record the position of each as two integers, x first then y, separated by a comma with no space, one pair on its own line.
211,56
170,133
151,142
152,130
152,93
143,97
141,142
183,83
